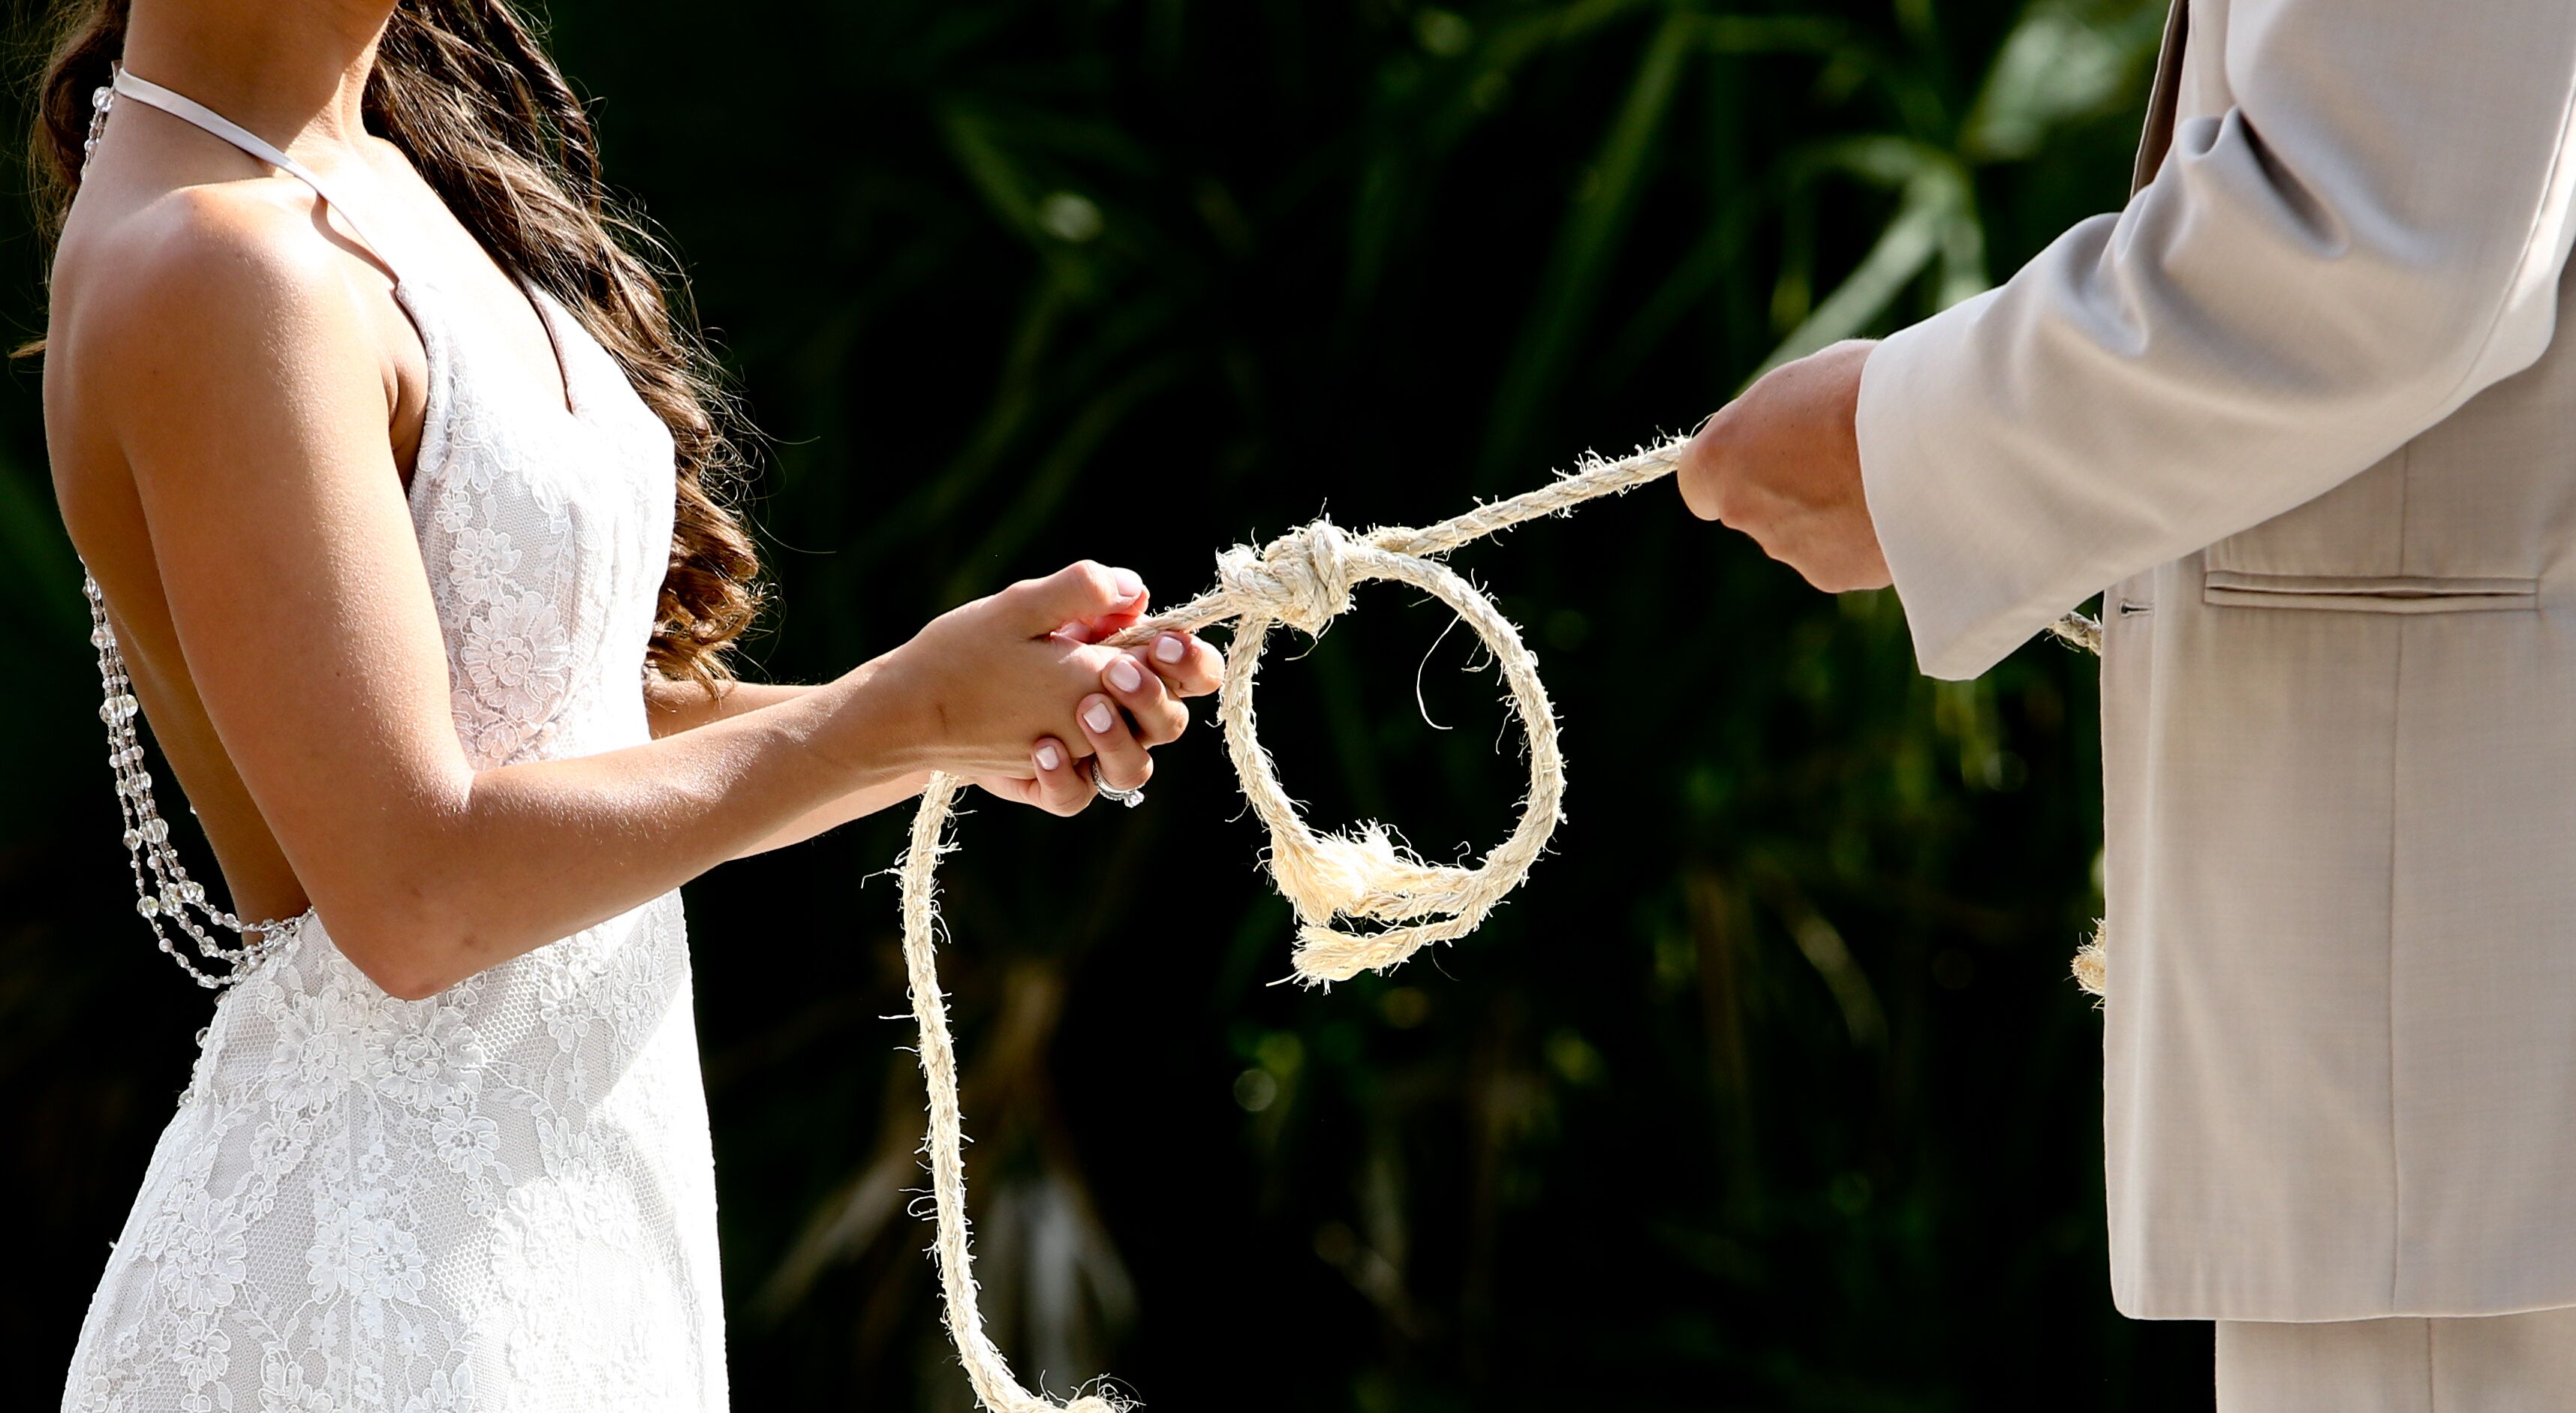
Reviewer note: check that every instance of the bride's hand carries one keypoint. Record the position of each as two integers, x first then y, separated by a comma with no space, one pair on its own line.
1136,707
999,686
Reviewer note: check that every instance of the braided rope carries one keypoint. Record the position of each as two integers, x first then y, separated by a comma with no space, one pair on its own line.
1302,580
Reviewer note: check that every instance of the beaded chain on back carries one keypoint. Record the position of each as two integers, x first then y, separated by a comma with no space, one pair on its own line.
169,893
1302,580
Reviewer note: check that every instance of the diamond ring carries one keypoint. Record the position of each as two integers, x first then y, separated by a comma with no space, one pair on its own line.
1130,798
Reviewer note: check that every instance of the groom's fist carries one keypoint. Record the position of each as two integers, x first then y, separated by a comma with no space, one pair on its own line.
1782,464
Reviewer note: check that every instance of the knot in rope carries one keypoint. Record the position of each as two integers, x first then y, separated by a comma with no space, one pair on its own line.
1302,579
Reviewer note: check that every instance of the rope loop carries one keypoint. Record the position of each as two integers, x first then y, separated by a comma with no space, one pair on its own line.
1364,875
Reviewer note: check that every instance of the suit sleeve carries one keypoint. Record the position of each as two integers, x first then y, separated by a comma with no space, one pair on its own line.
2369,236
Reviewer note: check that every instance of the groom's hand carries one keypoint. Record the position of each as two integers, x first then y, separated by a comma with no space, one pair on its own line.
1782,463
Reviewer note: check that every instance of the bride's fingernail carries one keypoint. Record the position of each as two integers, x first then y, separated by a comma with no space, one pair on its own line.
1048,759
1124,676
1126,583
1169,647
1097,716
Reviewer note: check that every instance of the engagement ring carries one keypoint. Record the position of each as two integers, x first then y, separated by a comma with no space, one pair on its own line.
1130,798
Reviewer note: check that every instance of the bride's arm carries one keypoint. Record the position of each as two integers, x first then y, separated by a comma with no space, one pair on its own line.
1176,665
231,362
675,707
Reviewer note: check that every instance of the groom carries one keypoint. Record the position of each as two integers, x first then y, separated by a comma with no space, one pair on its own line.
2302,416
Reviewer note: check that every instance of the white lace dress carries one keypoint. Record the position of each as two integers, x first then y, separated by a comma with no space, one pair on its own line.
500,1198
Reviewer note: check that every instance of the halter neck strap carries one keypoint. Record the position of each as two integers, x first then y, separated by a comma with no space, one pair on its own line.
189,110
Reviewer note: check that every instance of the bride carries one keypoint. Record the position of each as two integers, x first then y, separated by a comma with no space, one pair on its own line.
395,476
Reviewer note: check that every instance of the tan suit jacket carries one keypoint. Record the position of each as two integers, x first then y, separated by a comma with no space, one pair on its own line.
2299,408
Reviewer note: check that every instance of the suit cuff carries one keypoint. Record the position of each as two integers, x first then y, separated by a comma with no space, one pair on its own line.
1936,512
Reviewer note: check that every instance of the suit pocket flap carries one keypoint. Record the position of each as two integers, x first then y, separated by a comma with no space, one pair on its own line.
2358,593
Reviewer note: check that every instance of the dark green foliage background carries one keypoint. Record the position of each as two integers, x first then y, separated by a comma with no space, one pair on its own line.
1769,1092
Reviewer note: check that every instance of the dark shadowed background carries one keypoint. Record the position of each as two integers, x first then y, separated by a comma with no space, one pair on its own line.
1768,1092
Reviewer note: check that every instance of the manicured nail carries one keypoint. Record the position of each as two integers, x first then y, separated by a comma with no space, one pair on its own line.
1048,759
1097,716
1169,647
1126,583
1124,676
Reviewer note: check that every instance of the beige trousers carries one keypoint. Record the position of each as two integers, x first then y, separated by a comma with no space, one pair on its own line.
2490,1364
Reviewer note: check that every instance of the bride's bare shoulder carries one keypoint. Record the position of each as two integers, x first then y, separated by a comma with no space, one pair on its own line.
203,335
239,270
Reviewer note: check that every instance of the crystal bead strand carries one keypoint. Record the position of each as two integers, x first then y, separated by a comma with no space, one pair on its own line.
98,105
101,99
169,893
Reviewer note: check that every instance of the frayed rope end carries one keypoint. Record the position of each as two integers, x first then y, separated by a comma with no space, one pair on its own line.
2080,631
1365,874
2092,965
1325,955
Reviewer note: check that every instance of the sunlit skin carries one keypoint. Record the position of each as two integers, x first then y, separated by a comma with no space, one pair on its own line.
232,404
1782,464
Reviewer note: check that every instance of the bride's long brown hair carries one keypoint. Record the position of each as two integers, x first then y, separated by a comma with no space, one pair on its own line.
468,93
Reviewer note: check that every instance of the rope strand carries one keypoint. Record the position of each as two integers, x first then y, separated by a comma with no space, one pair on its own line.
1302,580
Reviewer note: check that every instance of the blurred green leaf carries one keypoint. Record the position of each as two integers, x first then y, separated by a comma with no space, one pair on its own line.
1602,202
2063,61
1932,208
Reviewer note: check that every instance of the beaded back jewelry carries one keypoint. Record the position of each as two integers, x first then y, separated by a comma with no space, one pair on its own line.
170,893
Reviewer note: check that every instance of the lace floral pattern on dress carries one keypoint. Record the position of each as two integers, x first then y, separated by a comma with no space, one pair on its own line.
506,540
